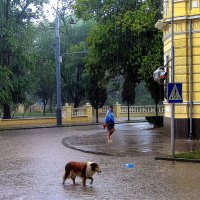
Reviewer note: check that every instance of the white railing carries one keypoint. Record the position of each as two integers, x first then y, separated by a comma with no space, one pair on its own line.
76,112
104,109
141,109
135,109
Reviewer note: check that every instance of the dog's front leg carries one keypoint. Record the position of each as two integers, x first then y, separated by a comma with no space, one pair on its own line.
91,180
84,181
73,179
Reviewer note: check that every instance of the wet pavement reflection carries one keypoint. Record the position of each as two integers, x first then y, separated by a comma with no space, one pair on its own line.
32,164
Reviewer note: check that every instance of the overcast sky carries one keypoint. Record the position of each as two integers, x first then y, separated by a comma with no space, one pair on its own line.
49,9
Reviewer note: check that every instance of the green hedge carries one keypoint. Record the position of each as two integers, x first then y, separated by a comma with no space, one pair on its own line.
156,121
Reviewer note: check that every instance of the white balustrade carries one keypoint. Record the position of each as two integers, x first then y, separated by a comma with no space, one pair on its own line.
141,109
147,109
104,109
76,112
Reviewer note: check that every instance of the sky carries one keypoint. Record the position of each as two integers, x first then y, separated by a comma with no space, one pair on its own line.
49,10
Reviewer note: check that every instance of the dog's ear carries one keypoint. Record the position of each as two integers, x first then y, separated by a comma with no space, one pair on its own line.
93,166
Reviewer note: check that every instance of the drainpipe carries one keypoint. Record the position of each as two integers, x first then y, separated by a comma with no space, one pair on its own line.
172,80
191,78
190,5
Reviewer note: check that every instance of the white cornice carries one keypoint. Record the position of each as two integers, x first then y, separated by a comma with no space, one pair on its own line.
179,0
168,20
184,103
162,24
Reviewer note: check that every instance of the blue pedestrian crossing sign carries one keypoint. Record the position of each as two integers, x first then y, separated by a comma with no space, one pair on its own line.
174,93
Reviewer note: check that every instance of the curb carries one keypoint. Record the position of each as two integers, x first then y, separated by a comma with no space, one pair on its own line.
177,159
82,150
65,125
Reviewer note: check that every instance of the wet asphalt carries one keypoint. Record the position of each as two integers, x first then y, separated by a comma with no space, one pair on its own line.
32,164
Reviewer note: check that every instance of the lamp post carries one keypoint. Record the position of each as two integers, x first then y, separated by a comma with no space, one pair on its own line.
58,60
58,75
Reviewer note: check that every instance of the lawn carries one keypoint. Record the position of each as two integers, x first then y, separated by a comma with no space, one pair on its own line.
30,115
189,155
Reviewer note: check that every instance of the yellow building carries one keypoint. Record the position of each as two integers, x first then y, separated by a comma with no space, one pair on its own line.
186,64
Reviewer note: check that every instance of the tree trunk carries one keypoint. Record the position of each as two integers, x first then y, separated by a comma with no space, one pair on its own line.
97,115
51,106
76,102
44,110
24,113
128,111
6,111
5,58
156,109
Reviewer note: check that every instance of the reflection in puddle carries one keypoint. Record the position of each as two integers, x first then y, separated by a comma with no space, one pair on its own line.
79,190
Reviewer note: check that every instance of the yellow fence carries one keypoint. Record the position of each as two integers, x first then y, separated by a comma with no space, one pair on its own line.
83,115
26,122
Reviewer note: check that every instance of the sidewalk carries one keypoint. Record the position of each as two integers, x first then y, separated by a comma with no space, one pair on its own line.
35,126
131,138
134,139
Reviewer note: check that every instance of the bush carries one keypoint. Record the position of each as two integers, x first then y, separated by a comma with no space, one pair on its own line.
156,121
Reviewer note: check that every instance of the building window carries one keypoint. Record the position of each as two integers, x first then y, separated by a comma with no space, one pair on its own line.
195,4
165,7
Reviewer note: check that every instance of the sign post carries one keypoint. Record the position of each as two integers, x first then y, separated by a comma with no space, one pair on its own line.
174,94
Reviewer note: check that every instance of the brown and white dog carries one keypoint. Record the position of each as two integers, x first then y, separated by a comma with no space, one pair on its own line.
85,170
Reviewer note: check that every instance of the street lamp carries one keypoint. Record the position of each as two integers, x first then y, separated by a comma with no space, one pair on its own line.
58,60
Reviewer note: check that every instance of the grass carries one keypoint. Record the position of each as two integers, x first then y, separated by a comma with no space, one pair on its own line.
189,155
32,115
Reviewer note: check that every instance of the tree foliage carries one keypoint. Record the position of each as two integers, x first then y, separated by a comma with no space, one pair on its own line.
124,40
72,76
6,86
74,51
96,93
43,77
118,38
15,38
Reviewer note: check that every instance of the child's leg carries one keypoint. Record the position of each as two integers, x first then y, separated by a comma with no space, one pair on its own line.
104,126
110,133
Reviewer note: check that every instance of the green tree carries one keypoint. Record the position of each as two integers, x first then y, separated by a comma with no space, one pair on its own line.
72,76
115,45
96,93
74,52
44,65
128,92
6,86
45,84
27,104
15,38
143,96
153,51
125,36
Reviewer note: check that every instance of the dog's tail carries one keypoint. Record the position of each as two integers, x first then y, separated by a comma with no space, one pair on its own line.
67,173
